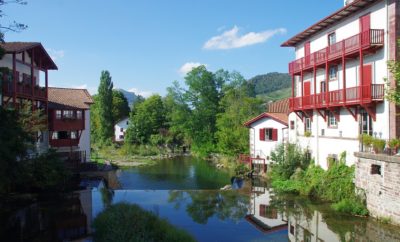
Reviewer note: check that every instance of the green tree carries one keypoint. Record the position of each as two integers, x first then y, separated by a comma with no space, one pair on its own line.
393,92
120,106
203,96
148,119
105,107
238,107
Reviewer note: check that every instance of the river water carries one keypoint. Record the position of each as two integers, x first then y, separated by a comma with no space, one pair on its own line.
186,191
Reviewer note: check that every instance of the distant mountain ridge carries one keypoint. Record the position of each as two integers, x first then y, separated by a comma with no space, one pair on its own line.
130,96
271,86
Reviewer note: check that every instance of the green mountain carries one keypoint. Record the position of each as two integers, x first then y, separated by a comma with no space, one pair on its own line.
271,86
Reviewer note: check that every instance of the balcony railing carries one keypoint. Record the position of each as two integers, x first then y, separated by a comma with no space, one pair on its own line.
348,96
24,89
351,45
64,142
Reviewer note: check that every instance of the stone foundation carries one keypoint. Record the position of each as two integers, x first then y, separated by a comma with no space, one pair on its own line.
379,177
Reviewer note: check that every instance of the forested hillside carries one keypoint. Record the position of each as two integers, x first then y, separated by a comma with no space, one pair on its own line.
271,86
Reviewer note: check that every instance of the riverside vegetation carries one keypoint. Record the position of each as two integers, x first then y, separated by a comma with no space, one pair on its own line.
294,172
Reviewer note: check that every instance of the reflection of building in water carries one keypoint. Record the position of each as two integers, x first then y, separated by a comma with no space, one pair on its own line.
312,229
262,215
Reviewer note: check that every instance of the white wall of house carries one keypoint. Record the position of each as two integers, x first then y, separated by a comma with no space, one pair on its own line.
84,142
263,148
326,141
120,129
21,68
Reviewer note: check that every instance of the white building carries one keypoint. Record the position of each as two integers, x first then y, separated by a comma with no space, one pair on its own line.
120,128
338,79
267,131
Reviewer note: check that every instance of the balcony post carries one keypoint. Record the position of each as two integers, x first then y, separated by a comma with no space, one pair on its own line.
361,75
14,60
327,82
344,73
315,86
302,87
32,76
46,78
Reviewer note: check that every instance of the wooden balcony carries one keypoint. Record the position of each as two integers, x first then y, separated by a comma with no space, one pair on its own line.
342,97
24,90
66,124
367,40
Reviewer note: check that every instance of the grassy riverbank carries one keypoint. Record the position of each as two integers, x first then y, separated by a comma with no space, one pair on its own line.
295,173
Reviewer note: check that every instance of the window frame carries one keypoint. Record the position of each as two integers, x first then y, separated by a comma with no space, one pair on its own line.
59,114
307,122
79,114
332,117
333,77
329,38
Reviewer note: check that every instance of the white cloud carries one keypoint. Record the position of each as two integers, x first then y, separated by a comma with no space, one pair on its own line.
84,86
231,39
141,93
91,90
56,54
188,66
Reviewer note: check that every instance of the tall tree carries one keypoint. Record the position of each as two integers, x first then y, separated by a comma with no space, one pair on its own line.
105,101
120,106
148,119
238,106
203,96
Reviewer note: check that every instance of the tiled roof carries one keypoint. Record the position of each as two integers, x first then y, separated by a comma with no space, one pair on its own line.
281,106
279,117
332,19
69,98
41,55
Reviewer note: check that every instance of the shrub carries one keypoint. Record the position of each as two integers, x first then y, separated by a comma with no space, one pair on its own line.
130,223
350,206
307,134
366,140
241,170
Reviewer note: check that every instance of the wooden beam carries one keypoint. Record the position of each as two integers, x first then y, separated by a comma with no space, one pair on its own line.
371,110
298,115
354,114
323,115
336,112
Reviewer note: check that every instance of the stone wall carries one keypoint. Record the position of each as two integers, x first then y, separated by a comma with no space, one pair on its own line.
379,177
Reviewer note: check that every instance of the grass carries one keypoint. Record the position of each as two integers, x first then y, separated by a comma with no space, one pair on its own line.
276,95
130,223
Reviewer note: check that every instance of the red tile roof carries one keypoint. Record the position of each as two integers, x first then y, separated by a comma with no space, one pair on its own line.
281,106
18,47
279,117
69,98
332,19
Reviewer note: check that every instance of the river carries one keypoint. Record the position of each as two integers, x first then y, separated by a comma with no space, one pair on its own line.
186,191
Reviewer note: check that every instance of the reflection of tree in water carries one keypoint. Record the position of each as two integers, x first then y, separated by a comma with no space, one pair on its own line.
346,227
107,196
201,205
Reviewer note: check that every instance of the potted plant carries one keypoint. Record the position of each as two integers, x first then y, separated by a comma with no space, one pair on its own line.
394,145
378,145
366,140
307,134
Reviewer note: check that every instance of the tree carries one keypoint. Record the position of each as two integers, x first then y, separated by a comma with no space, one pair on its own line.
105,107
232,136
148,119
393,91
203,96
14,26
120,106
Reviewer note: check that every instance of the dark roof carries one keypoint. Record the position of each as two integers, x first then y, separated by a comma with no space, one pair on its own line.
69,98
332,19
280,106
279,117
18,47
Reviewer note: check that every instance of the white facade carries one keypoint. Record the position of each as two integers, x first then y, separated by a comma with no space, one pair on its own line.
84,142
120,129
262,148
331,140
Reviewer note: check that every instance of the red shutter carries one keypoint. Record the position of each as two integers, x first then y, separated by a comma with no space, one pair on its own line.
262,134
274,134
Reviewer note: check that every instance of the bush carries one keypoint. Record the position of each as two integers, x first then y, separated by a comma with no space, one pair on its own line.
241,170
126,222
378,144
350,206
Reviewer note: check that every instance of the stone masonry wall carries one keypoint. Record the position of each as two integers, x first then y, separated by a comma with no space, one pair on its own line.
382,190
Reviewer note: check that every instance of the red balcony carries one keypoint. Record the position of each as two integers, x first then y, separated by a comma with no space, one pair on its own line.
24,90
366,40
342,97
64,142
66,124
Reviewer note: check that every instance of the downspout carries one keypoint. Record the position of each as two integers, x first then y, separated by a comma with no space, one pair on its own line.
254,142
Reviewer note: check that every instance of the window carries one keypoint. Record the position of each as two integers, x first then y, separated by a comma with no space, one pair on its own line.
73,135
54,135
58,114
121,129
268,134
365,123
323,87
332,122
121,137
291,230
376,170
331,38
308,125
268,212
63,135
68,114
333,72
291,124
79,114
127,122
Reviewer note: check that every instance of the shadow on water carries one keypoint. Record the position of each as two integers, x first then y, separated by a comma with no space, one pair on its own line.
252,213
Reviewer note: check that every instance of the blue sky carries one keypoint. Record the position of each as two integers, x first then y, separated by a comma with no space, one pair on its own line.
148,44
